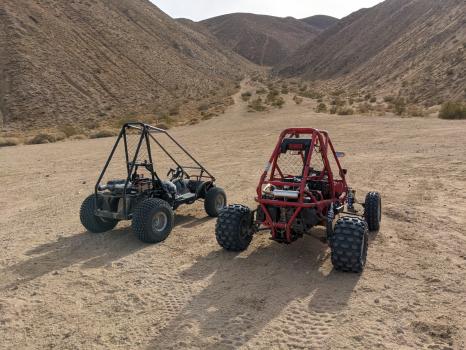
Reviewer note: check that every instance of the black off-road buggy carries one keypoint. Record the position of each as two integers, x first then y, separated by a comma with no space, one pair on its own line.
142,196
304,186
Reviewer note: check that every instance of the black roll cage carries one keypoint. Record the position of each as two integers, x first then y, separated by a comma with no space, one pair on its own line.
147,135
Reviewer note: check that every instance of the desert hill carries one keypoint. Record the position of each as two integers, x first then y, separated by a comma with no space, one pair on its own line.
321,22
416,47
68,61
265,40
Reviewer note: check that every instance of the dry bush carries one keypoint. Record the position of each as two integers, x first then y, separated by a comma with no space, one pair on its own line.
246,96
345,111
103,133
321,108
453,110
256,105
298,100
333,110
175,110
315,95
399,105
415,111
365,108
261,91
203,107
373,100
338,102
69,130
389,99
46,138
9,141
285,91
278,102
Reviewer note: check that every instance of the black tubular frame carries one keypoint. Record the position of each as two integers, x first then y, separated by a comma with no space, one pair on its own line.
147,134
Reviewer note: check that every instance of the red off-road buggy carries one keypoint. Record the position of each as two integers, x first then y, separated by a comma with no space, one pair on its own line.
303,186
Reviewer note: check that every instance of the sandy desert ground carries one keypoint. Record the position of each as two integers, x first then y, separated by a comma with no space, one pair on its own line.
64,288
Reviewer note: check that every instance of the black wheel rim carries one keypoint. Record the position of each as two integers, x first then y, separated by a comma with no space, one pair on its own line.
159,221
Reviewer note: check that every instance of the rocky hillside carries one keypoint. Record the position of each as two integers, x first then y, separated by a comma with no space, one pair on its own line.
265,40
414,47
321,22
78,61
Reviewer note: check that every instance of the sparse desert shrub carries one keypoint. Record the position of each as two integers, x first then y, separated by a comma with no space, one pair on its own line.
415,111
453,110
175,110
246,96
311,94
333,110
46,138
364,108
367,97
303,88
69,130
321,108
91,124
345,111
256,105
389,99
298,100
278,102
338,92
285,91
272,94
338,102
373,100
9,141
203,107
261,91
399,105
103,133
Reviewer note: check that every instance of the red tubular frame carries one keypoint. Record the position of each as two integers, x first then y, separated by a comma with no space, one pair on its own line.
322,205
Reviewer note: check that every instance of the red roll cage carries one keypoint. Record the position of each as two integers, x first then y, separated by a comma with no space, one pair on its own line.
273,175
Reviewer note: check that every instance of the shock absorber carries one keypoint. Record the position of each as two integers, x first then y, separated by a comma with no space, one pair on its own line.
350,199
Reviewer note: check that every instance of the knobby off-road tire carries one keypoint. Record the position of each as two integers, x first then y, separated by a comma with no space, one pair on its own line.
153,220
373,210
91,222
349,244
234,228
215,201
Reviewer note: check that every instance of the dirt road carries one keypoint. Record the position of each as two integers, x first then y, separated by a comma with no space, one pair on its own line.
61,287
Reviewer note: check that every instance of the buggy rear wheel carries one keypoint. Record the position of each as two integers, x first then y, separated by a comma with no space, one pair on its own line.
234,228
153,220
215,201
92,222
349,244
373,210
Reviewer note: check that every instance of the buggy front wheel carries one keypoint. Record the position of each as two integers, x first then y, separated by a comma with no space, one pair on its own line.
215,201
90,221
234,228
153,220
349,244
373,210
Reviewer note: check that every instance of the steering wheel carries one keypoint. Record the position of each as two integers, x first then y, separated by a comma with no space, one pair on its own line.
175,173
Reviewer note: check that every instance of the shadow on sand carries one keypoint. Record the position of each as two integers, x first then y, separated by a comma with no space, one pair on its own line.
90,250
271,286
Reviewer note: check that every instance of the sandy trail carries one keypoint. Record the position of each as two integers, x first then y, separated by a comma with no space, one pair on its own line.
61,287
